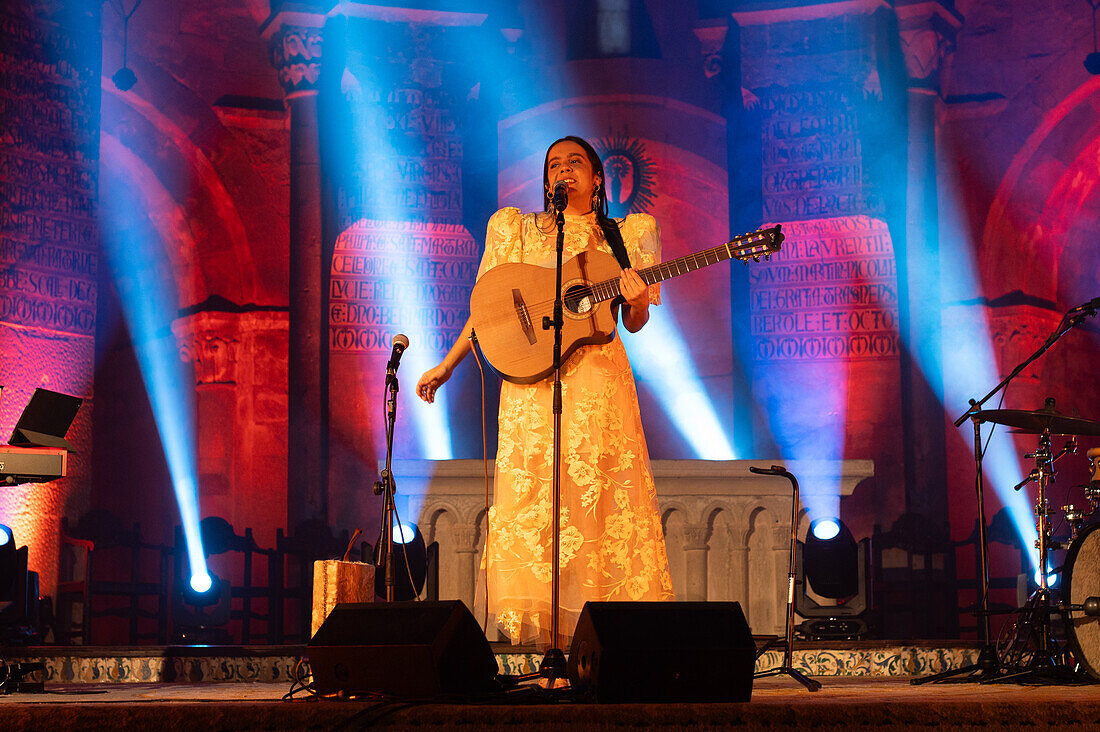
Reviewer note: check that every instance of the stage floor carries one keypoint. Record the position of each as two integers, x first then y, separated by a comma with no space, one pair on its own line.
846,702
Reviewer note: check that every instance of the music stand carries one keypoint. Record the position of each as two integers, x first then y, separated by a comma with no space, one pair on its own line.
46,420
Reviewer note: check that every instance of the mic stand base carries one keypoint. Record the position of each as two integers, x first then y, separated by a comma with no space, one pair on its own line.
810,684
983,670
787,666
552,667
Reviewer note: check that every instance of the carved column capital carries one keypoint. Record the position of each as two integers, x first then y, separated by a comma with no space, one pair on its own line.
712,37
211,345
695,537
928,31
465,538
295,44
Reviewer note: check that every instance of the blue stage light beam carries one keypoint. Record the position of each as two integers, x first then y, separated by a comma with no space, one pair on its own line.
807,415
131,254
970,370
376,158
662,358
969,366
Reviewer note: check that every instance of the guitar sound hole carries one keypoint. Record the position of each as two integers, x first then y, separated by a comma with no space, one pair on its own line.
579,300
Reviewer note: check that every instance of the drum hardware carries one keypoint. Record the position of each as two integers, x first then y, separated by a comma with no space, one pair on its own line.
1074,517
1031,648
988,664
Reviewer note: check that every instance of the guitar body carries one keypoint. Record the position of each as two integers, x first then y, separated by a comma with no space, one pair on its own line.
509,302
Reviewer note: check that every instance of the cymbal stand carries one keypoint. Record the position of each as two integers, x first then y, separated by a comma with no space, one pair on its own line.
988,664
787,667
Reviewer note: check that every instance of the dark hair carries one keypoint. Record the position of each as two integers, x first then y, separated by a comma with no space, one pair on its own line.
609,225
597,170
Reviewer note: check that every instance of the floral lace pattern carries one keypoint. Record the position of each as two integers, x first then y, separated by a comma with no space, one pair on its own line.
612,542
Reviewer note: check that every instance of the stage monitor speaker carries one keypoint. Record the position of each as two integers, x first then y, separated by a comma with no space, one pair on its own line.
662,652
404,649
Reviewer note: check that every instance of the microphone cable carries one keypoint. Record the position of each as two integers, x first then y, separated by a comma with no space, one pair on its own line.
485,466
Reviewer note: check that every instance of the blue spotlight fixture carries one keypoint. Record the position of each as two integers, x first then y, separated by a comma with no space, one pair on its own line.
201,583
824,529
404,533
831,559
204,590
7,559
19,606
835,567
415,564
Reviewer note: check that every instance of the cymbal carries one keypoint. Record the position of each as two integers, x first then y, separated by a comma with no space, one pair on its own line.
1040,421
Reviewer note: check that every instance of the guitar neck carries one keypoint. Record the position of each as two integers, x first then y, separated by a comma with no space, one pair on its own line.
746,246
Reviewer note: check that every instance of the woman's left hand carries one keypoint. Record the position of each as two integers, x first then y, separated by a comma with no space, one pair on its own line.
635,294
634,291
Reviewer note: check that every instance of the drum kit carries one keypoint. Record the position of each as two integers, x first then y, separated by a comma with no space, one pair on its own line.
1055,637
1029,649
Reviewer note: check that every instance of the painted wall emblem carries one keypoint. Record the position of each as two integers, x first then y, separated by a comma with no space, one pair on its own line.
630,172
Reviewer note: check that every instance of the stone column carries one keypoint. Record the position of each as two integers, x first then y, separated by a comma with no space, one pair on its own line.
720,44
240,387
465,548
295,47
927,33
695,562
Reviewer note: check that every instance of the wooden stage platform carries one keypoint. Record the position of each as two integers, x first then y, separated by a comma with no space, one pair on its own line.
842,703
865,697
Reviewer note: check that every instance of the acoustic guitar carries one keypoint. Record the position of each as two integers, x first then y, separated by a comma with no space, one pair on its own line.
512,305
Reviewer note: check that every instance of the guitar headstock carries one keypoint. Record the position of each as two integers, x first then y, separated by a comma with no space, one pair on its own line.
756,244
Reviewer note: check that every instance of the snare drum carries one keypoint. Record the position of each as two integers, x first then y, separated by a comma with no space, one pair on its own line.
1081,580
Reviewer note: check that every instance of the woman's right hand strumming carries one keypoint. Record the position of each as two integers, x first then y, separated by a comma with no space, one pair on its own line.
432,379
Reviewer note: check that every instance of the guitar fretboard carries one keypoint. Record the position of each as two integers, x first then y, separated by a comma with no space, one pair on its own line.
747,246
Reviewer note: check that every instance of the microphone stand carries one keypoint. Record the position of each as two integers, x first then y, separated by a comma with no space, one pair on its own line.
552,667
787,667
989,664
386,486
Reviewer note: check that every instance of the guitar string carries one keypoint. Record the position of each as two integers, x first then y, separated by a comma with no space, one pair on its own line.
541,307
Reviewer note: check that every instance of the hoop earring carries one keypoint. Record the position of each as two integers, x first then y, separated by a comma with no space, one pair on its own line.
549,197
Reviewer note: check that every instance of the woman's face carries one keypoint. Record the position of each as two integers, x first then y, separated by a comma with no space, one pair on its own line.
568,162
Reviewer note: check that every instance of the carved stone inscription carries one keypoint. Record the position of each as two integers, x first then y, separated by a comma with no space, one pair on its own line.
830,293
48,152
812,162
405,124
389,277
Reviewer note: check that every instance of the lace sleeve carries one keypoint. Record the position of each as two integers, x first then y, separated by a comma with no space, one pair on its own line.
642,237
503,242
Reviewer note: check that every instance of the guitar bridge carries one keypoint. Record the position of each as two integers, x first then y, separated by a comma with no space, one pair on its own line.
523,315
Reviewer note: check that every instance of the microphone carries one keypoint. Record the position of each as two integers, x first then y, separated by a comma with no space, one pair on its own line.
400,343
561,195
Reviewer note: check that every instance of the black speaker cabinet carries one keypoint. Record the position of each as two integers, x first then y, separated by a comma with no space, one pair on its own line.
662,652
405,649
